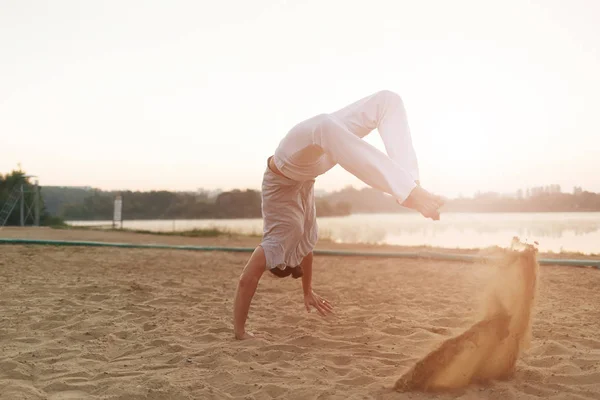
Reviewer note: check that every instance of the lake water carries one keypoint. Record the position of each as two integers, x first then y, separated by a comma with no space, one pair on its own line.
555,232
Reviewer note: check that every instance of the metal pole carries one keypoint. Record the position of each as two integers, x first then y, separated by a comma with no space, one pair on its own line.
22,205
36,199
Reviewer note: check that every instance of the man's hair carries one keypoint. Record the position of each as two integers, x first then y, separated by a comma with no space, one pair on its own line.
296,272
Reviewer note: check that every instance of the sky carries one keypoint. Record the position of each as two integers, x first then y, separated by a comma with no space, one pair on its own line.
181,95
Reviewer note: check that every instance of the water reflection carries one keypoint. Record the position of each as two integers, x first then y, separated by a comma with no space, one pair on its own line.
555,231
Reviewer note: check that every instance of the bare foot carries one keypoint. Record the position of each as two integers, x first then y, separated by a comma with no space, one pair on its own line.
244,336
439,200
424,202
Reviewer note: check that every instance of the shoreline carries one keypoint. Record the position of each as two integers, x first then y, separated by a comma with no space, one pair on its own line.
564,234
220,238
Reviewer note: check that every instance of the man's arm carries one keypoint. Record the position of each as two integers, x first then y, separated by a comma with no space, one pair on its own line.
306,265
310,297
245,291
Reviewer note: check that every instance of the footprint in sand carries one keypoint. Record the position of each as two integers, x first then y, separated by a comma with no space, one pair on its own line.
70,395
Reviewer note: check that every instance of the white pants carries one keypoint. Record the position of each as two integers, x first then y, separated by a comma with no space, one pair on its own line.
316,145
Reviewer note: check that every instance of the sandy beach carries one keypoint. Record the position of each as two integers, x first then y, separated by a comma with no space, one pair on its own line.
132,324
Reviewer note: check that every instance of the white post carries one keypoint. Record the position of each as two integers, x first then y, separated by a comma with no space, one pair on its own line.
118,214
36,200
22,205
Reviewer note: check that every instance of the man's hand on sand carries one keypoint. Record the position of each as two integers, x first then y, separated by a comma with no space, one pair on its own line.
320,304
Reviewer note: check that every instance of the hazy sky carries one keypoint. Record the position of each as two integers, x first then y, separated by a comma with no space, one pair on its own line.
180,95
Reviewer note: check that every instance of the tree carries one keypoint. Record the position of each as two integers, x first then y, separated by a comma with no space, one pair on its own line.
13,181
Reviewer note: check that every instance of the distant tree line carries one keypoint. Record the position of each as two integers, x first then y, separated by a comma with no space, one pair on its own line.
92,204
71,203
537,199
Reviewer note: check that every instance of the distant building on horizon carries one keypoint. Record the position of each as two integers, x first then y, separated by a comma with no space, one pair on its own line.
209,193
87,188
321,192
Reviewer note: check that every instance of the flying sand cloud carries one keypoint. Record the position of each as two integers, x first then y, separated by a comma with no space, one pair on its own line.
490,348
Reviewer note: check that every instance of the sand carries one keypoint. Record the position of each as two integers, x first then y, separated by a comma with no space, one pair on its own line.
105,323
490,348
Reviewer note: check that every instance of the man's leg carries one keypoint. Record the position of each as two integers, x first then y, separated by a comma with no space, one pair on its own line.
246,288
340,135
385,112
372,166
362,159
